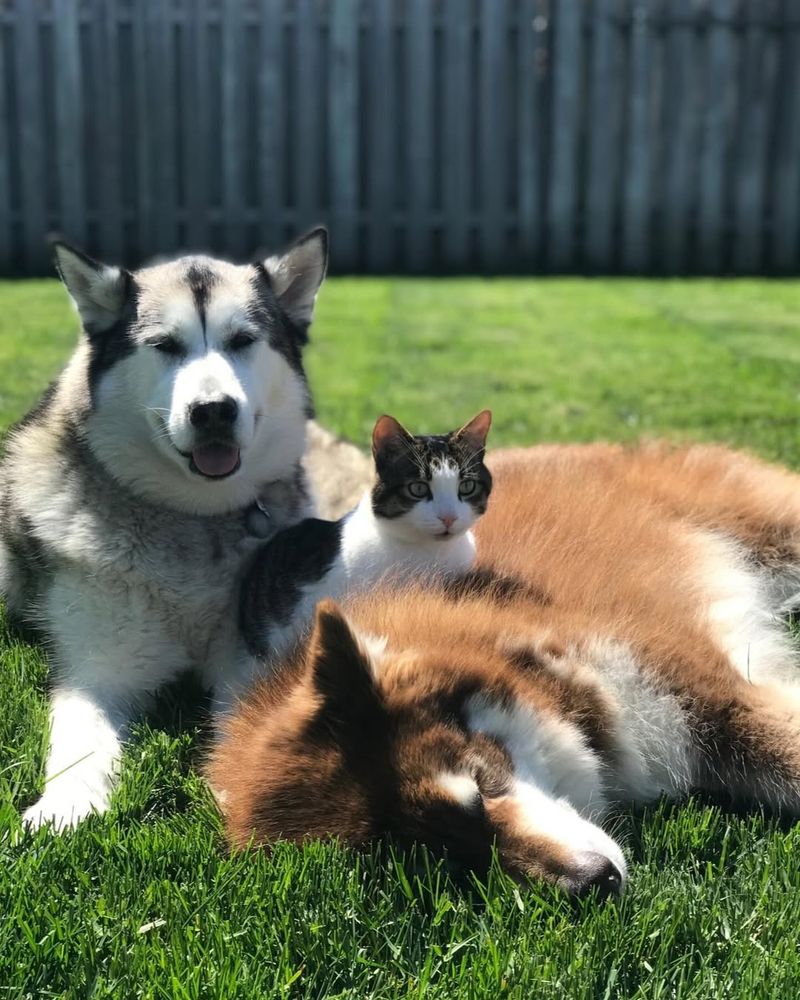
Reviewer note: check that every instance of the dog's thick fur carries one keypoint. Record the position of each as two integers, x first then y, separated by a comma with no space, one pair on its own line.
132,496
621,640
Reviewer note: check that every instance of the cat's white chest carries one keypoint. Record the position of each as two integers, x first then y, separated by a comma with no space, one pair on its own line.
371,552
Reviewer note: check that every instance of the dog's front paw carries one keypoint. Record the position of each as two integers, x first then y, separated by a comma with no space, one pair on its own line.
63,807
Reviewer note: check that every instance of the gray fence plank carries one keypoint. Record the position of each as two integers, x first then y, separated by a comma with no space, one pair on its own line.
231,131
107,137
7,263
759,75
343,132
684,63
785,248
194,125
606,96
380,101
271,126
456,133
306,121
69,121
493,102
146,237
162,123
637,200
418,73
719,111
31,150
564,138
530,131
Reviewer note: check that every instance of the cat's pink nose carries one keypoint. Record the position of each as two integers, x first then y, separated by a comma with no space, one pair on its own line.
448,520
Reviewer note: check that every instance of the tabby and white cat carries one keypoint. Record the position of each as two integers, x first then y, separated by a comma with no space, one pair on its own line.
416,520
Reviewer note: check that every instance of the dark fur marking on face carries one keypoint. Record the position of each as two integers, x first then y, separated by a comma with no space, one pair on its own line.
273,585
201,279
114,344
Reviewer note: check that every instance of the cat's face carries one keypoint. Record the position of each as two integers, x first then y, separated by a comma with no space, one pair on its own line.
433,487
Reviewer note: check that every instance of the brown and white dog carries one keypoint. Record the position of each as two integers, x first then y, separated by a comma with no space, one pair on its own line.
622,639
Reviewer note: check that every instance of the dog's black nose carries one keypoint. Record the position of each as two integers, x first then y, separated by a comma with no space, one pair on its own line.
596,874
222,412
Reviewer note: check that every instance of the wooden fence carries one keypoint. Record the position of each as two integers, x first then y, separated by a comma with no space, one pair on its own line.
641,136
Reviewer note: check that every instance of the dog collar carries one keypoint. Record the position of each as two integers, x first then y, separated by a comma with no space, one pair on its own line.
258,520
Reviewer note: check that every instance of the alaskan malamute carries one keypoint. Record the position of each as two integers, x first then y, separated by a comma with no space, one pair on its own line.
131,496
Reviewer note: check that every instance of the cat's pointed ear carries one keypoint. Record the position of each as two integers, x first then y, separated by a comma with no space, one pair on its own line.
341,663
386,434
100,292
296,275
476,431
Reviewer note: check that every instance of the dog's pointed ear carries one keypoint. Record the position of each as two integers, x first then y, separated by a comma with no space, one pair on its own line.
341,664
296,275
100,292
476,431
387,434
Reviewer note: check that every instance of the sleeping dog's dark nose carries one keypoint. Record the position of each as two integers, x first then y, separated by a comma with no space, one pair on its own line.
219,412
595,874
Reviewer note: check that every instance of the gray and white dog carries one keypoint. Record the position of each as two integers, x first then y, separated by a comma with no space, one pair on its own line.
132,496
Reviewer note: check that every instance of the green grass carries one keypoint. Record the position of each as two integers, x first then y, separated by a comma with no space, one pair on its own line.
144,902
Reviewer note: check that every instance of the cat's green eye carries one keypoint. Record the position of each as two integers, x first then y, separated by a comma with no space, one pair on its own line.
467,487
418,490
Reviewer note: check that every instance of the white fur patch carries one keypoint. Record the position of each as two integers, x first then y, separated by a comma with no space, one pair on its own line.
741,612
651,730
557,820
546,751
461,787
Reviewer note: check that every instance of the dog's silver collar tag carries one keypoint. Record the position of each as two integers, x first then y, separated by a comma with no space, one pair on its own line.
258,520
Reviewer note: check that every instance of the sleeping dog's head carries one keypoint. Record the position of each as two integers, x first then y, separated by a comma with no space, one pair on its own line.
196,389
429,735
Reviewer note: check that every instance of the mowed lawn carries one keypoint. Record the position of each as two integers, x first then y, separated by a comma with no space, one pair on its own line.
145,903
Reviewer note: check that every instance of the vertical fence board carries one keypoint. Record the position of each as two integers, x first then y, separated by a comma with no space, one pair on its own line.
456,152
785,256
31,136
108,149
563,179
271,125
343,132
493,134
759,73
637,201
718,125
380,233
6,262
162,123
606,94
419,147
194,125
683,72
307,128
69,121
530,132
231,132
146,240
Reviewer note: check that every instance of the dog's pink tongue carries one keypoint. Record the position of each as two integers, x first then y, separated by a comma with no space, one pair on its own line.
216,459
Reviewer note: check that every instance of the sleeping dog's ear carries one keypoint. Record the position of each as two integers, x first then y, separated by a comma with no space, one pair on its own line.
100,292
296,274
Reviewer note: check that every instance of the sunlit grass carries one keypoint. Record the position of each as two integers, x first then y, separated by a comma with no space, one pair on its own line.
144,902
